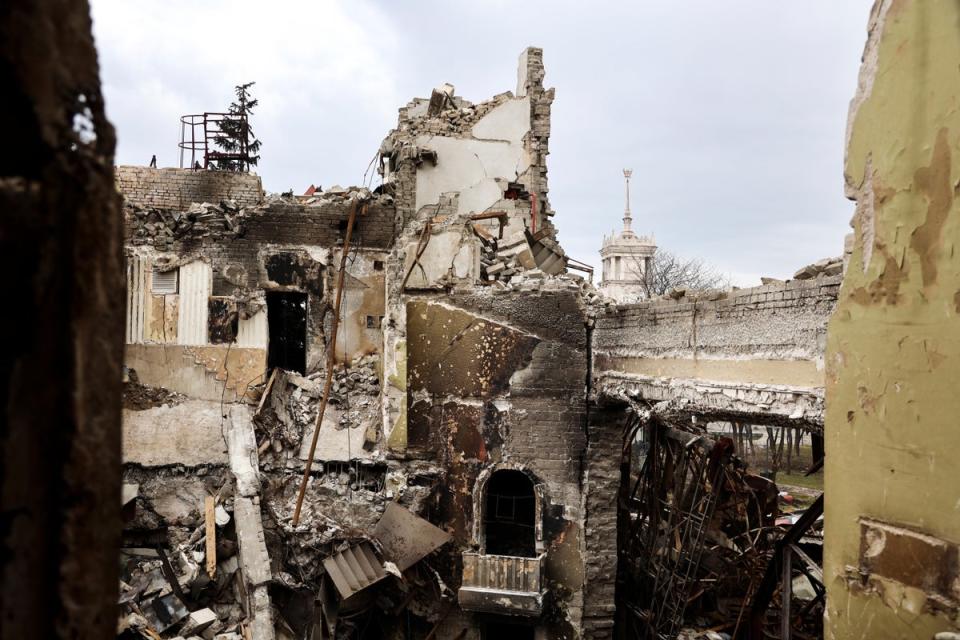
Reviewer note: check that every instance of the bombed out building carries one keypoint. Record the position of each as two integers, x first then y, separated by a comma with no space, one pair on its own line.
405,412
481,400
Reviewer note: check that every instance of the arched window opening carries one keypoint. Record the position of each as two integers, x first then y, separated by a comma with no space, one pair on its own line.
509,515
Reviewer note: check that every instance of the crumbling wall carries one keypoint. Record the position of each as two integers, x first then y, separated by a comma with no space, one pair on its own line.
193,557
747,350
177,188
893,354
440,187
602,477
774,334
500,380
60,368
211,332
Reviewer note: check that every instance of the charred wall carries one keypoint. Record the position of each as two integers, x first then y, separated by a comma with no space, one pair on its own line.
499,382
177,188
225,260
60,234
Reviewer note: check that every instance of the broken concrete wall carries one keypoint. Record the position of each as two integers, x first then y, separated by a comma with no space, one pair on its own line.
438,185
363,305
178,188
499,381
60,369
193,538
893,353
747,350
449,145
225,258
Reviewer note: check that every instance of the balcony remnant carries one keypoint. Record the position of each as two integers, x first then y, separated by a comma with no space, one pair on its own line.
506,585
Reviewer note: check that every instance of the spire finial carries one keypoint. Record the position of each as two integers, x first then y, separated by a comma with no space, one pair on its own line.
627,219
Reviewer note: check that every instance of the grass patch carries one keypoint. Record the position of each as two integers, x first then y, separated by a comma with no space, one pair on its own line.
799,480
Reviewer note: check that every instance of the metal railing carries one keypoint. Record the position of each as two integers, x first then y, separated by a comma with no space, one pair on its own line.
201,135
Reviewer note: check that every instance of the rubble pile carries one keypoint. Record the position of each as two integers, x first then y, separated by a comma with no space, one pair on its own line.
290,408
825,267
446,114
162,227
138,397
174,591
518,252
334,195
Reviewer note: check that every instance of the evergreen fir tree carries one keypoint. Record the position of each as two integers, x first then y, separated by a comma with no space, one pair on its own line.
237,135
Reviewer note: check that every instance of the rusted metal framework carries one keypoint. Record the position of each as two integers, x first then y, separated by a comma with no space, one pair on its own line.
201,135
698,544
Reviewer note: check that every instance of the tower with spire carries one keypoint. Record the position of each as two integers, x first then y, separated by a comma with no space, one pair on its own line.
627,258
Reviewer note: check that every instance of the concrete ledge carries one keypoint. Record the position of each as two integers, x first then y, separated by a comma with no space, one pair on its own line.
756,404
795,373
509,603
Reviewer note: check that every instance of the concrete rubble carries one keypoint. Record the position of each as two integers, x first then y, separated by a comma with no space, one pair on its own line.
480,395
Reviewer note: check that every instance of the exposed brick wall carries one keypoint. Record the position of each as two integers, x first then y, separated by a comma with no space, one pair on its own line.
787,320
177,188
237,256
513,392
282,225
601,487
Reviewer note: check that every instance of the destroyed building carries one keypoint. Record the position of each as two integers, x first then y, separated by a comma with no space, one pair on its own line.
483,400
503,450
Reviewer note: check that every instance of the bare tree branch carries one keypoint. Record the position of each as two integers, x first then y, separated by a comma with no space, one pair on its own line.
670,271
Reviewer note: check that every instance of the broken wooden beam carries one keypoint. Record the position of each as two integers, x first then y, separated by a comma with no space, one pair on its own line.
210,515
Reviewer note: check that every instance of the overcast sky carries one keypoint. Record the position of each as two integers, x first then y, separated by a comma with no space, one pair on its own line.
731,114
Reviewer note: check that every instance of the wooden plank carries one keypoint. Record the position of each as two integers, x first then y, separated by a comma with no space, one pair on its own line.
266,392
211,522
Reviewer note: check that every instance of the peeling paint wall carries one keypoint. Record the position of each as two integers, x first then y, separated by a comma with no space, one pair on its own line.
893,353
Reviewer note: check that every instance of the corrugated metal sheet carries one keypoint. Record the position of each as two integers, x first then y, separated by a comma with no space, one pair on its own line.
406,538
136,287
196,282
252,331
354,569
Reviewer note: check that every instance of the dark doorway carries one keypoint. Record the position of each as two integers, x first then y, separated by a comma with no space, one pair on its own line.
507,631
509,516
287,321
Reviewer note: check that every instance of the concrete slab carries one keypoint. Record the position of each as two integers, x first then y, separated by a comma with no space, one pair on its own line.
190,433
335,443
406,538
254,559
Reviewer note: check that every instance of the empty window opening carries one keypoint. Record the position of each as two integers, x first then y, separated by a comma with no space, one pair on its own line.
287,321
373,322
165,282
509,516
378,265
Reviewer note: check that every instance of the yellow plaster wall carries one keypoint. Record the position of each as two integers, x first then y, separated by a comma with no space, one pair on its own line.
893,349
